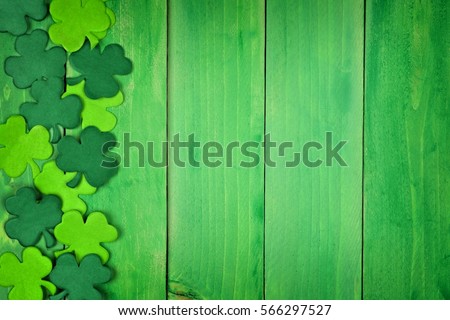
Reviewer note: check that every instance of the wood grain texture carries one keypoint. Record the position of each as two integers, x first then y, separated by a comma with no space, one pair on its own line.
216,81
135,200
314,85
217,221
407,190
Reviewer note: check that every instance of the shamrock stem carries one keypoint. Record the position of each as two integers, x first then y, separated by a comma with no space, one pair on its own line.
34,168
74,81
56,134
59,296
49,239
75,181
49,286
66,250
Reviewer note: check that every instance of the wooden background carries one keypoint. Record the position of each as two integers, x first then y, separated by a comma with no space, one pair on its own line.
375,73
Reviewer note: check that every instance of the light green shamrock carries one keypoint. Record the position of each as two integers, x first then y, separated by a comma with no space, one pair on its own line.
53,180
84,238
112,17
95,112
18,149
77,20
26,277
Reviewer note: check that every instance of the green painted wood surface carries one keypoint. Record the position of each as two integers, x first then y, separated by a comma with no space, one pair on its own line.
308,220
314,85
135,200
216,82
407,154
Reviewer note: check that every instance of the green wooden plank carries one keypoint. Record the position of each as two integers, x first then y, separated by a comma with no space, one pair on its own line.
216,82
314,85
407,189
135,200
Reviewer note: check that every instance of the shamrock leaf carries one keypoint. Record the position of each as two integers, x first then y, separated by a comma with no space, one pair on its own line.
89,156
26,277
54,181
19,148
84,238
14,14
33,218
51,110
99,68
35,62
95,112
79,281
101,35
77,20
112,17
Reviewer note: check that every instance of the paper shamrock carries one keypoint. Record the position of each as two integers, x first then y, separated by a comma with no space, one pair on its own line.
95,112
35,61
89,156
26,277
101,35
32,218
54,181
99,69
19,148
76,20
78,281
14,14
84,238
51,110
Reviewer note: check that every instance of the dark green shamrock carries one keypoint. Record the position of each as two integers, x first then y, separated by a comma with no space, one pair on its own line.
90,156
78,281
35,62
14,14
51,110
99,68
33,218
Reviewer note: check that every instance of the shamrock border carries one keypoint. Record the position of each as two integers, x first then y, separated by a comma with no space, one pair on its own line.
59,295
